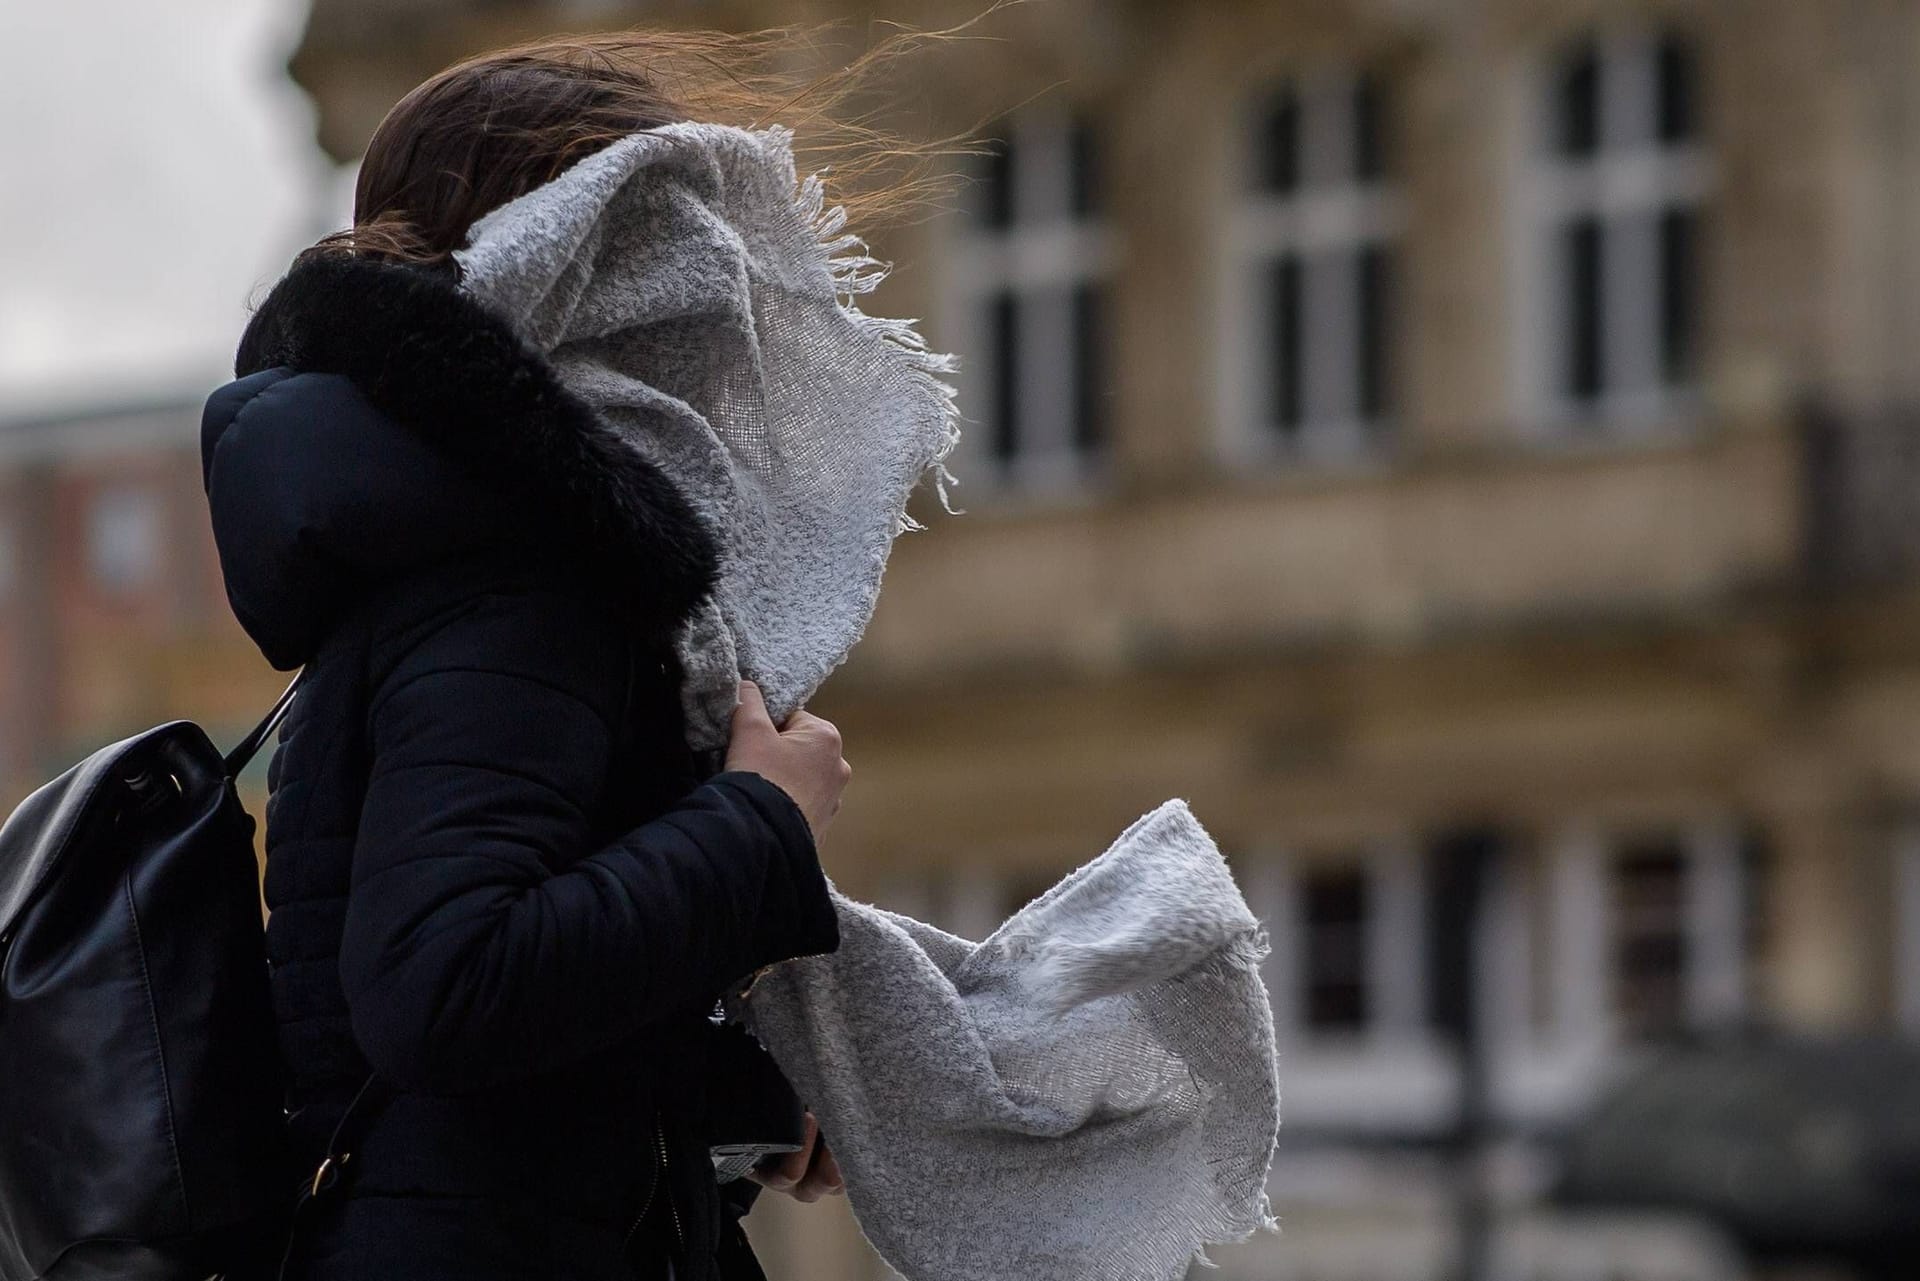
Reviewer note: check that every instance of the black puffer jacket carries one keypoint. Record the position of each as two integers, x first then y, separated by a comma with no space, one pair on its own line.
496,875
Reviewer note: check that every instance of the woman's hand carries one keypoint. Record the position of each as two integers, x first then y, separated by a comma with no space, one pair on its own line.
806,1175
802,758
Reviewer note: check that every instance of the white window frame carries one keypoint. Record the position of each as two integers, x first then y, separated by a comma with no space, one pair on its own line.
1906,928
1396,933
1322,214
1718,976
1717,966
1621,180
1391,1076
1052,255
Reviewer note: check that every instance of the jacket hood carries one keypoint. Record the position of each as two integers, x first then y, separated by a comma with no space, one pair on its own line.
380,420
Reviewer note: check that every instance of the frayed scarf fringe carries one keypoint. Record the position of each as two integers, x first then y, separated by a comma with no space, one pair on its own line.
1247,950
1265,1222
1244,951
854,272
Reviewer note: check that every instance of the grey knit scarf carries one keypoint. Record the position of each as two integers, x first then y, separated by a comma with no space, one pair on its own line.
1088,1095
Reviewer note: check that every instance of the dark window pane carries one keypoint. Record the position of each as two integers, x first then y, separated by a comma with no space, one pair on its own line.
1337,1007
1279,143
996,184
1585,356
1369,130
1336,910
1089,368
1287,334
1083,153
1679,294
1649,944
1374,266
1003,340
1461,864
1675,75
1577,100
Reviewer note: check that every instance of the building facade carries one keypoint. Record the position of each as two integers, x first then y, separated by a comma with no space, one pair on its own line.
1423,435
112,612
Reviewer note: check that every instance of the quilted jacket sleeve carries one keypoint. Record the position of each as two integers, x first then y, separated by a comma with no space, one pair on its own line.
478,947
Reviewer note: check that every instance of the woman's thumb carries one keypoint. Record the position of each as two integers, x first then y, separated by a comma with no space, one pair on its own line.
752,705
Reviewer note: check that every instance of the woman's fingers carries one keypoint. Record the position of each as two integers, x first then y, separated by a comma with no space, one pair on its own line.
823,1175
804,759
827,1170
806,1175
787,1174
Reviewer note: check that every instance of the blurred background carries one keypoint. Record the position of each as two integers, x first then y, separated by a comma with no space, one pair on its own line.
1465,447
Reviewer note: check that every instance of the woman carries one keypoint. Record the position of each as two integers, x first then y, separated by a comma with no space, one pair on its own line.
505,893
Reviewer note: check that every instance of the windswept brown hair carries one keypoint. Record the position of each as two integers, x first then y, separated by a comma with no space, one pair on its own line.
495,126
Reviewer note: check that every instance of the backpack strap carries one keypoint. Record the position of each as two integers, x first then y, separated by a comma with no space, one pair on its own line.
374,1093
248,747
371,1098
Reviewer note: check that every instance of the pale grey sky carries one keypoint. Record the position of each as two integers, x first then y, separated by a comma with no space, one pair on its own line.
157,169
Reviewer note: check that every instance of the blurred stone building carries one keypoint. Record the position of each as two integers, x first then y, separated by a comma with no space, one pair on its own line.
112,612
1460,446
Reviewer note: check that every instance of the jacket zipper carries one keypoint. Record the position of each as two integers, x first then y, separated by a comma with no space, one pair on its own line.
673,1211
653,1190
645,1205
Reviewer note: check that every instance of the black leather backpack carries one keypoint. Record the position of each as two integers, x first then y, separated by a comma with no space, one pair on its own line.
141,1132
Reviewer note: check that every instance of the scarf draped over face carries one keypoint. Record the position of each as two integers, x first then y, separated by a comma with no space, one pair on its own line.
700,298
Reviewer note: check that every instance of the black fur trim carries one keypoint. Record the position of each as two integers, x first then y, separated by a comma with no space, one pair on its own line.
440,363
